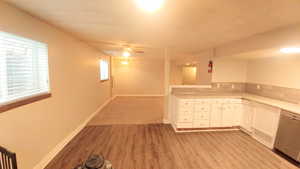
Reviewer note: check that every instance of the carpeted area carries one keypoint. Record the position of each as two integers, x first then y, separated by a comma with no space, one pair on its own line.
131,110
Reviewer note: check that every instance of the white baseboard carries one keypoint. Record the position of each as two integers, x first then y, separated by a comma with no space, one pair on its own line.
166,121
138,96
47,159
113,97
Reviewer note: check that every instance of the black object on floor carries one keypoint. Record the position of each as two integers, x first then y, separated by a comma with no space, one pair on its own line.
8,159
95,162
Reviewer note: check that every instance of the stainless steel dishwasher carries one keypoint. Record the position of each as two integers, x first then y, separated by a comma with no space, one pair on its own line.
288,135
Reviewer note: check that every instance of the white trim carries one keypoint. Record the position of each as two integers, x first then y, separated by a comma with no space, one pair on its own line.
47,159
191,86
166,121
209,130
138,96
113,97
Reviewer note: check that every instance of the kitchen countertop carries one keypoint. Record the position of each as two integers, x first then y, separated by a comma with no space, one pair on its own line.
295,108
203,95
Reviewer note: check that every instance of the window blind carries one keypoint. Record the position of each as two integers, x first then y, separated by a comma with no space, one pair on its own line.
23,68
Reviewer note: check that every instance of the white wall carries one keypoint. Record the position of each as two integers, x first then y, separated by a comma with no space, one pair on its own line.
33,130
281,71
140,77
229,70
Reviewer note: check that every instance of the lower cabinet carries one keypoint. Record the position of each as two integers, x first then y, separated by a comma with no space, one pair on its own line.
216,115
247,116
208,113
202,110
258,120
265,124
228,115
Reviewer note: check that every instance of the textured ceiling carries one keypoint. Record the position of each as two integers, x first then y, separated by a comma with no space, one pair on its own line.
184,26
264,53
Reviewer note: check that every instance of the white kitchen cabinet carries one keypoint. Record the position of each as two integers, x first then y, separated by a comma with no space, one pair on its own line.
184,111
228,115
202,113
247,116
238,113
207,113
265,124
216,114
232,112
258,120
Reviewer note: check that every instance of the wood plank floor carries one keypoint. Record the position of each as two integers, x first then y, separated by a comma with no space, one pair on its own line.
157,146
131,110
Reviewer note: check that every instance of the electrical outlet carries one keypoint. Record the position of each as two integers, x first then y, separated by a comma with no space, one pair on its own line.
258,87
232,86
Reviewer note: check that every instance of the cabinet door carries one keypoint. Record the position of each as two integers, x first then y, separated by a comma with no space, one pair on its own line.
216,115
265,124
237,114
185,111
201,114
228,115
262,113
247,116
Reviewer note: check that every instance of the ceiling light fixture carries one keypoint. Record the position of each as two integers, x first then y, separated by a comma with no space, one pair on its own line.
150,5
126,54
290,50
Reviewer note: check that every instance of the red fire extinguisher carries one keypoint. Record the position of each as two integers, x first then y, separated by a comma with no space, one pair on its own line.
210,66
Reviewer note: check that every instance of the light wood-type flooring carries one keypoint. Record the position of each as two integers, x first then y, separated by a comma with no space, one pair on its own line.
131,110
157,146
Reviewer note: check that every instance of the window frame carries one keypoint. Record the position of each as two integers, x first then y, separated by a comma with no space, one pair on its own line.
23,100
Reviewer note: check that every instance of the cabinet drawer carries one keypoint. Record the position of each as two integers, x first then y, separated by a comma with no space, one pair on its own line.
183,109
185,118
218,101
201,124
201,115
186,103
202,101
202,108
184,125
228,108
185,113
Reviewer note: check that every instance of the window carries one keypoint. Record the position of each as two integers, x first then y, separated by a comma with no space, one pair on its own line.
104,70
23,68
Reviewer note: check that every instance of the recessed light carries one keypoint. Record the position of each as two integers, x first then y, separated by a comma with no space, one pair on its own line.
150,5
290,50
126,54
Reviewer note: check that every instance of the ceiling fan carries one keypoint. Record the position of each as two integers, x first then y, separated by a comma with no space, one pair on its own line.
115,48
